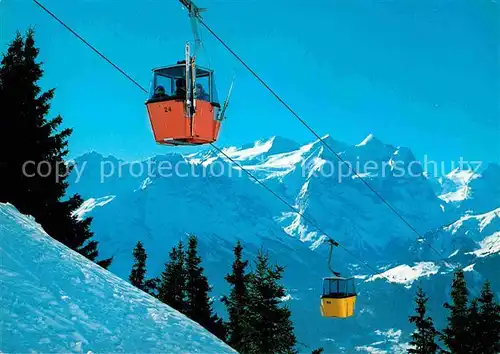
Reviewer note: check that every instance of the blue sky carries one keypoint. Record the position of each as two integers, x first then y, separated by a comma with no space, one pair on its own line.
422,74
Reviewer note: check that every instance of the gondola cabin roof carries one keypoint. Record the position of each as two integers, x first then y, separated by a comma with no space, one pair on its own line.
179,70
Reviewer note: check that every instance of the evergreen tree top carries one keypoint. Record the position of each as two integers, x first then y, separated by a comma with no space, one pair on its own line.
423,338
26,135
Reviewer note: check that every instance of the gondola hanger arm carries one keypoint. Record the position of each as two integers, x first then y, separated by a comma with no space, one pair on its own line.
332,243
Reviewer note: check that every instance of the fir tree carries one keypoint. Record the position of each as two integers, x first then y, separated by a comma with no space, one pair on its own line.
172,287
456,335
473,324
32,152
318,351
237,302
423,339
270,326
138,274
199,304
487,333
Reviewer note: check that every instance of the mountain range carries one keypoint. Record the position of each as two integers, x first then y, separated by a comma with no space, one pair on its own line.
398,226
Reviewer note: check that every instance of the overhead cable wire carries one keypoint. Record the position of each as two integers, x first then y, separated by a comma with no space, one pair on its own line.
296,115
221,151
291,207
90,45
213,145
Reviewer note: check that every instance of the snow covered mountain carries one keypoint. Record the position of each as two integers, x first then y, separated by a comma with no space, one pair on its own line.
55,300
468,190
161,199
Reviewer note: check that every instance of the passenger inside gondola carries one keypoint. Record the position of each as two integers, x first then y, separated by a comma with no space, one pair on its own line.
160,92
201,94
180,89
162,89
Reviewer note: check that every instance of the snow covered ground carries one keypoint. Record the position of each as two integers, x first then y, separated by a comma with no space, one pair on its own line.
54,300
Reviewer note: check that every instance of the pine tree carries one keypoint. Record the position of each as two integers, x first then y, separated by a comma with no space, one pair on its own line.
456,335
270,326
473,324
32,152
138,274
318,351
423,339
172,287
487,333
237,302
199,304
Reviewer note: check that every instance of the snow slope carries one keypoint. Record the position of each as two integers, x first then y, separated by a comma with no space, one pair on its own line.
54,300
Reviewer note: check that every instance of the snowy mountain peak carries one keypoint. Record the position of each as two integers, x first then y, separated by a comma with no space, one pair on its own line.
261,149
326,144
483,190
94,157
281,144
461,177
370,138
373,142
373,149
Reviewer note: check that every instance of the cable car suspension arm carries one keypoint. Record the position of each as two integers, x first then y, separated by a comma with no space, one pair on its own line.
194,15
332,244
222,113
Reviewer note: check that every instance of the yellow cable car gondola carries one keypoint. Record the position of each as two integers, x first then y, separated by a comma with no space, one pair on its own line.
339,293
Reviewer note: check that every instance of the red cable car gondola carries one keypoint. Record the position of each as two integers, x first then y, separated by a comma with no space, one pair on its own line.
182,106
